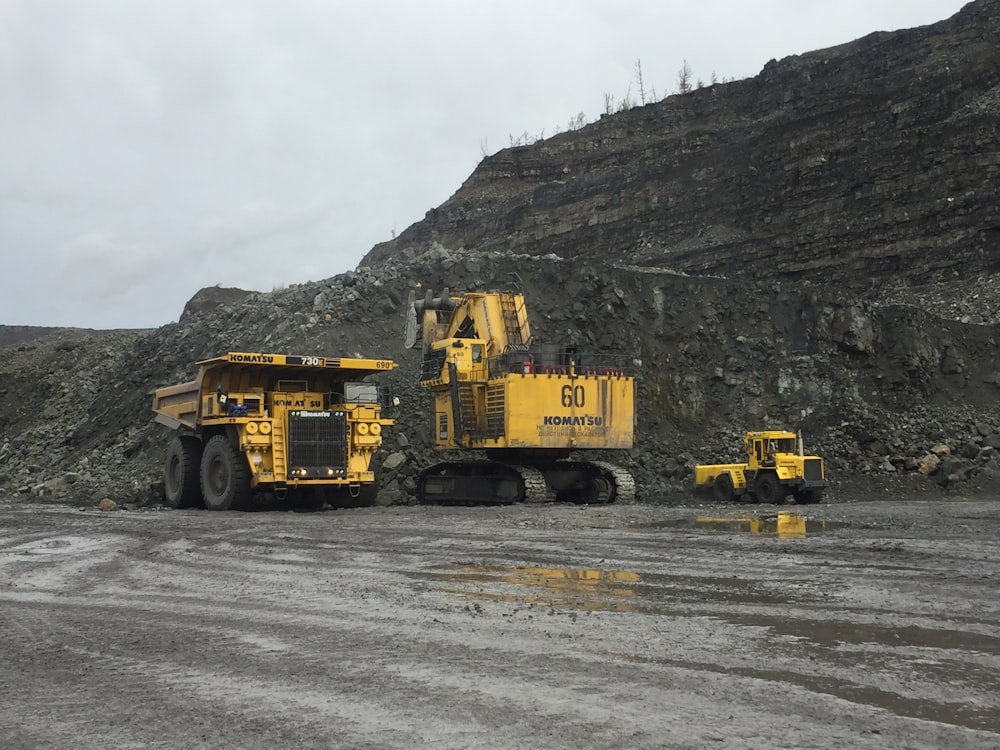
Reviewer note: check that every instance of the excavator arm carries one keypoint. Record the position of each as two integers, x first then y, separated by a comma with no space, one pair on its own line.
498,318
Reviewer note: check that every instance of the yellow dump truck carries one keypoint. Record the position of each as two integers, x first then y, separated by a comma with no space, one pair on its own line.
304,428
775,468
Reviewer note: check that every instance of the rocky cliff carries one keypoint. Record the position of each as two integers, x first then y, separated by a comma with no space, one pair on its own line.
876,160
815,248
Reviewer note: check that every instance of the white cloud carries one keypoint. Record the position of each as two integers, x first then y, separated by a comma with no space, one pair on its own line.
150,149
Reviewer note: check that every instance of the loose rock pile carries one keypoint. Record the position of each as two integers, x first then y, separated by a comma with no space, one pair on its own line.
882,392
814,248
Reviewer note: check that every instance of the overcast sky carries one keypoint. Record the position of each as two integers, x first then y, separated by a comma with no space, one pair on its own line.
149,148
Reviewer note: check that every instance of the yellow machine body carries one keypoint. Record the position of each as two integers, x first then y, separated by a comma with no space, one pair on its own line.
297,421
775,467
528,405
518,403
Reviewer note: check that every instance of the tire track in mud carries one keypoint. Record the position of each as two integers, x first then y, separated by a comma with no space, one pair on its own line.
476,630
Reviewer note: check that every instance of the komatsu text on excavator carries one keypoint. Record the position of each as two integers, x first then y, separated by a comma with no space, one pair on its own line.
529,407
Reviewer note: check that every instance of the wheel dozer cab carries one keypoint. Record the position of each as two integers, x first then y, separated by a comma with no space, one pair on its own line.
305,428
775,468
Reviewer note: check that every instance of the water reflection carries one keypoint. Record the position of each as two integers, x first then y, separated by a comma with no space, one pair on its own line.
785,525
586,589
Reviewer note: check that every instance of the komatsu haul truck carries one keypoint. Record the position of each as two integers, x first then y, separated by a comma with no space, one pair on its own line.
304,428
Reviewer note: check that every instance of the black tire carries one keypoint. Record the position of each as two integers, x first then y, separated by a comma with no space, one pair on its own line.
809,497
225,476
367,496
181,488
368,493
310,500
768,489
722,489
342,497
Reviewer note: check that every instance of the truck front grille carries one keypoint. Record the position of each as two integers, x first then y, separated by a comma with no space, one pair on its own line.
317,443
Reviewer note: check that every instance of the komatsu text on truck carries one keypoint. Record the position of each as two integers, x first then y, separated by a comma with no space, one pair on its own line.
304,428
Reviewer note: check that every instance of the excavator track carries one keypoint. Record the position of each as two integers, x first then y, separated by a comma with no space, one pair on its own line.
482,483
536,489
498,483
589,482
624,481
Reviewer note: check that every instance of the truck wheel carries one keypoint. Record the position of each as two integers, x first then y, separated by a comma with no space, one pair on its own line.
368,493
225,476
341,497
722,488
310,500
768,489
809,497
180,475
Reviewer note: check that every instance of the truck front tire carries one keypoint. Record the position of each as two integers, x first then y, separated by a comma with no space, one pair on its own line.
180,475
225,476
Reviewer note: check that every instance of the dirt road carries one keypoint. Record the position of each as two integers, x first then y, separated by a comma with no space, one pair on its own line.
514,627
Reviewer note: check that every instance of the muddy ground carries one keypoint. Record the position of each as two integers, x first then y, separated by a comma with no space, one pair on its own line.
552,626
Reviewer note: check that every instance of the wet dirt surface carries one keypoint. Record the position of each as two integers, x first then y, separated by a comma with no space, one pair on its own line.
524,626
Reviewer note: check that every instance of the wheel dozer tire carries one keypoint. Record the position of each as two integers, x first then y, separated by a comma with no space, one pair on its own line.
768,489
722,489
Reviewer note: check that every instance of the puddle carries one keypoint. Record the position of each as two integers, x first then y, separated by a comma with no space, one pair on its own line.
65,545
836,633
585,589
785,524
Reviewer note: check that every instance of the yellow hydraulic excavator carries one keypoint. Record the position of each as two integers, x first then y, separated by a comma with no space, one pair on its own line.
532,408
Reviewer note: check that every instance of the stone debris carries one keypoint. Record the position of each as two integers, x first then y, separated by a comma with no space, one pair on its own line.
760,246
867,384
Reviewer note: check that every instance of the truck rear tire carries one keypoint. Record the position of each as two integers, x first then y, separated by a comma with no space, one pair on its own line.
181,487
768,489
225,476
722,489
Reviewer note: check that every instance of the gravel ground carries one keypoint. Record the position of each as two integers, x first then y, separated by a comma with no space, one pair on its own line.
547,627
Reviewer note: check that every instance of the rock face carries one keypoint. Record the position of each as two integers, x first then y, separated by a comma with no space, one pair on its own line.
211,298
876,162
815,248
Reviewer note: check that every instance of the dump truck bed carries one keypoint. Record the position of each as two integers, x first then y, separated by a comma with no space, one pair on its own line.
178,406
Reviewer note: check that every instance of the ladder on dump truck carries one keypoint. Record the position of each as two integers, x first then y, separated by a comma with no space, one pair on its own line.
278,451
